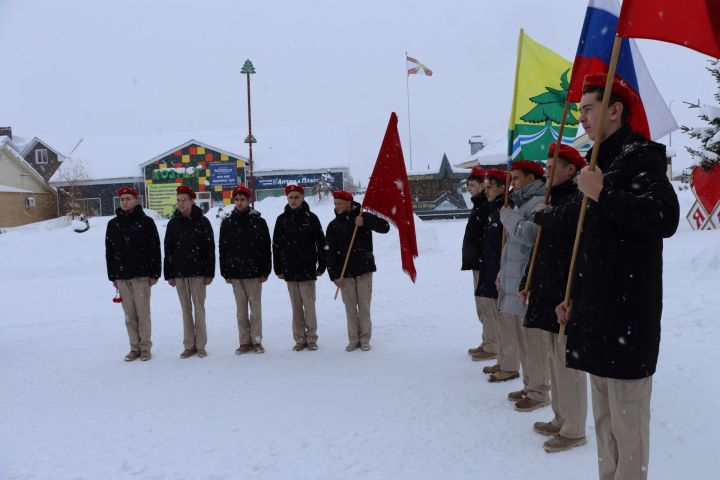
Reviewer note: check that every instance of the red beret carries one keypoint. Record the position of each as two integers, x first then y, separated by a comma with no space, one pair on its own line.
530,166
294,188
500,175
568,153
241,190
477,173
619,88
186,190
127,191
343,195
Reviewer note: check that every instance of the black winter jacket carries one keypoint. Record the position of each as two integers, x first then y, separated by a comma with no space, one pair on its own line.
244,245
298,245
339,233
189,246
614,330
549,278
471,251
490,250
132,246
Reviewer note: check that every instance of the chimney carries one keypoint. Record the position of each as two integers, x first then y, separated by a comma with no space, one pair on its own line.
476,144
6,132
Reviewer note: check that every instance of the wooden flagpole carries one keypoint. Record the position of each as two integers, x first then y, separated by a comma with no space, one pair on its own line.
347,255
548,189
593,162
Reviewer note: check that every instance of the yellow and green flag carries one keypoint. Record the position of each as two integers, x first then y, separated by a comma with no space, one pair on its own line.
541,85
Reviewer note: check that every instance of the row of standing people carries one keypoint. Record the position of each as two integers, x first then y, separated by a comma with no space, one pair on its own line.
299,251
613,325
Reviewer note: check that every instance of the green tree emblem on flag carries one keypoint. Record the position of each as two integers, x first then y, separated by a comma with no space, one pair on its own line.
549,105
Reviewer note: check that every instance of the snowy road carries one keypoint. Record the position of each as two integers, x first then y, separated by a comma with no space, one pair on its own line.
413,407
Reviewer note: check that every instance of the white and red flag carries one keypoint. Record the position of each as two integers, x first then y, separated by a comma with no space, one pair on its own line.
414,66
388,194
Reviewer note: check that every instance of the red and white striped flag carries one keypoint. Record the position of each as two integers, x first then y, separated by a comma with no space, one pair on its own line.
413,66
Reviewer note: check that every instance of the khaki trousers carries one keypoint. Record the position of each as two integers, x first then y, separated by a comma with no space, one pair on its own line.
622,426
356,295
533,360
248,291
191,292
568,390
135,295
508,351
489,325
304,322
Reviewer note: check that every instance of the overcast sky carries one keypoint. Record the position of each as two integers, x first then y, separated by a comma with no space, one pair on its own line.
80,68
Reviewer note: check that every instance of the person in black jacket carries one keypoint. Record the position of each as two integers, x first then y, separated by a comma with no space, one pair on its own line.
471,259
614,323
190,267
298,258
245,262
356,283
568,387
486,292
132,254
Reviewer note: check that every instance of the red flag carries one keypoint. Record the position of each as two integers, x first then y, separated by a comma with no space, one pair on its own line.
691,23
388,194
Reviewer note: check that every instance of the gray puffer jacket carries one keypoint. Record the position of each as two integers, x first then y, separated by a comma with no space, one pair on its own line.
519,241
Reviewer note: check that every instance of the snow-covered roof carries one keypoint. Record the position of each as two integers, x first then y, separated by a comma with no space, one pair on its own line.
25,147
277,149
494,153
7,144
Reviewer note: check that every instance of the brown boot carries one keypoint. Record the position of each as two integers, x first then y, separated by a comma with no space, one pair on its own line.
546,428
365,347
527,404
503,376
145,355
563,444
244,348
299,347
201,353
259,348
188,352
517,396
312,346
493,369
473,351
352,347
132,356
482,355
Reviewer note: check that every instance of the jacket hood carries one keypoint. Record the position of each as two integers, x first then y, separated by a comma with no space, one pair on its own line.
352,213
241,214
195,213
304,207
135,212
536,188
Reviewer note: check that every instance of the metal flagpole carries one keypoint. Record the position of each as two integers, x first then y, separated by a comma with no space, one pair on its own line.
407,84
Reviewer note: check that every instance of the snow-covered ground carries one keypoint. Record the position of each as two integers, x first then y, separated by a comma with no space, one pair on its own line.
413,407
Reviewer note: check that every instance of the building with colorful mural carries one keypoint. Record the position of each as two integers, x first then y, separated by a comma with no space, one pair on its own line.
211,172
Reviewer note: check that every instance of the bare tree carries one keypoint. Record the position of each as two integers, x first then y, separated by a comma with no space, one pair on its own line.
69,177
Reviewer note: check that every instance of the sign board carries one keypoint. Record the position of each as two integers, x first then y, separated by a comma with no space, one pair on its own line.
162,198
223,175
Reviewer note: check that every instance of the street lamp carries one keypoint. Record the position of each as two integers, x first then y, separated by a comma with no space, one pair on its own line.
248,69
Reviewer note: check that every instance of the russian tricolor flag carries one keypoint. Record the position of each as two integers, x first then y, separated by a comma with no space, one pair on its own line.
593,56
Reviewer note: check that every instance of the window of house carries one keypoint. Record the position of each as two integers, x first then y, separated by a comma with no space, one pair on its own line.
41,156
88,206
